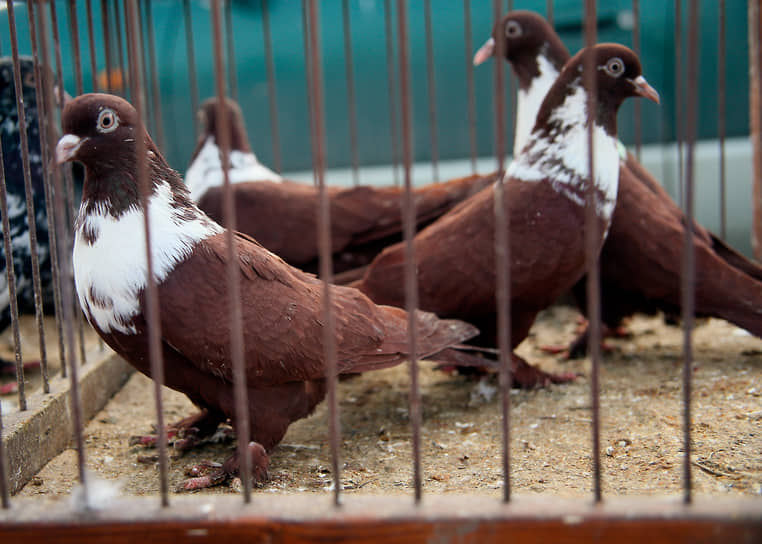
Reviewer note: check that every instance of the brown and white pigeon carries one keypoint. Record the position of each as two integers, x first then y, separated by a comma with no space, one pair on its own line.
281,305
545,189
641,260
282,215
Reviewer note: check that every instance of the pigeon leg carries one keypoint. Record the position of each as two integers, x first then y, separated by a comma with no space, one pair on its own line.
186,433
526,376
209,474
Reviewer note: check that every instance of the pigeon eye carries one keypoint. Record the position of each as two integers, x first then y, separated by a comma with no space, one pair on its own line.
107,121
512,29
614,67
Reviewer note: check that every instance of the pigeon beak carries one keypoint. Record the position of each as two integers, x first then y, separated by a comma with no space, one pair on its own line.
485,52
644,89
67,147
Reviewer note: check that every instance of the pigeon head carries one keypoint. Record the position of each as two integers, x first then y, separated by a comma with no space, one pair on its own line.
618,76
526,37
209,125
7,88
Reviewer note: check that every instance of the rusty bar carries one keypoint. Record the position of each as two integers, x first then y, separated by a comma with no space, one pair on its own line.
5,496
308,81
75,47
155,88
592,239
755,118
271,87
689,258
47,187
240,392
549,11
91,40
230,45
408,211
119,49
151,290
30,213
351,100
470,84
67,279
502,260
191,56
637,124
71,208
390,81
678,103
431,84
513,96
721,109
324,242
107,44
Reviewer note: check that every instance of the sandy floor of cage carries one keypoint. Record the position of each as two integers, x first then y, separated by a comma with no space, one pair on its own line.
641,426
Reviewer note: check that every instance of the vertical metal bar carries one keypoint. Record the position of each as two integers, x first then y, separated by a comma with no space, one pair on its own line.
71,210
5,496
721,108
549,11
230,43
502,259
689,259
678,103
513,94
470,84
271,87
240,392
191,55
637,105
151,290
120,50
107,43
91,40
75,47
324,243
155,89
408,210
67,279
30,213
308,79
431,83
592,239
392,86
755,118
351,100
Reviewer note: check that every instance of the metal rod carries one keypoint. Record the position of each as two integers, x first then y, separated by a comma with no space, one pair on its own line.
390,80
549,11
120,50
502,260
755,119
271,87
408,211
151,291
91,40
351,100
637,105
678,103
513,94
5,495
689,258
107,43
240,392
721,109
230,44
75,47
592,239
155,88
324,244
308,80
67,279
431,83
470,84
191,55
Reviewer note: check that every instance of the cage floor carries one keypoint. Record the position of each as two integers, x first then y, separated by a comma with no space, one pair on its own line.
640,434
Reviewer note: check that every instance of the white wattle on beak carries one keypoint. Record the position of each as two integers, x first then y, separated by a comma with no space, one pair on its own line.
485,52
67,147
644,89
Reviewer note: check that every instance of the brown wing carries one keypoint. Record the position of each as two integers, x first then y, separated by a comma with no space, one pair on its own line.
282,318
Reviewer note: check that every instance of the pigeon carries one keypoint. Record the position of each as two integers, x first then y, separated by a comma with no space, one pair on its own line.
282,305
14,183
282,215
647,228
545,191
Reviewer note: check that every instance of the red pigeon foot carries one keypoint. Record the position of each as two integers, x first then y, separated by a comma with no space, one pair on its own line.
8,388
210,474
526,376
187,433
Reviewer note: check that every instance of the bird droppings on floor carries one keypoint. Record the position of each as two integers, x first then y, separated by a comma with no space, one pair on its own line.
641,433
